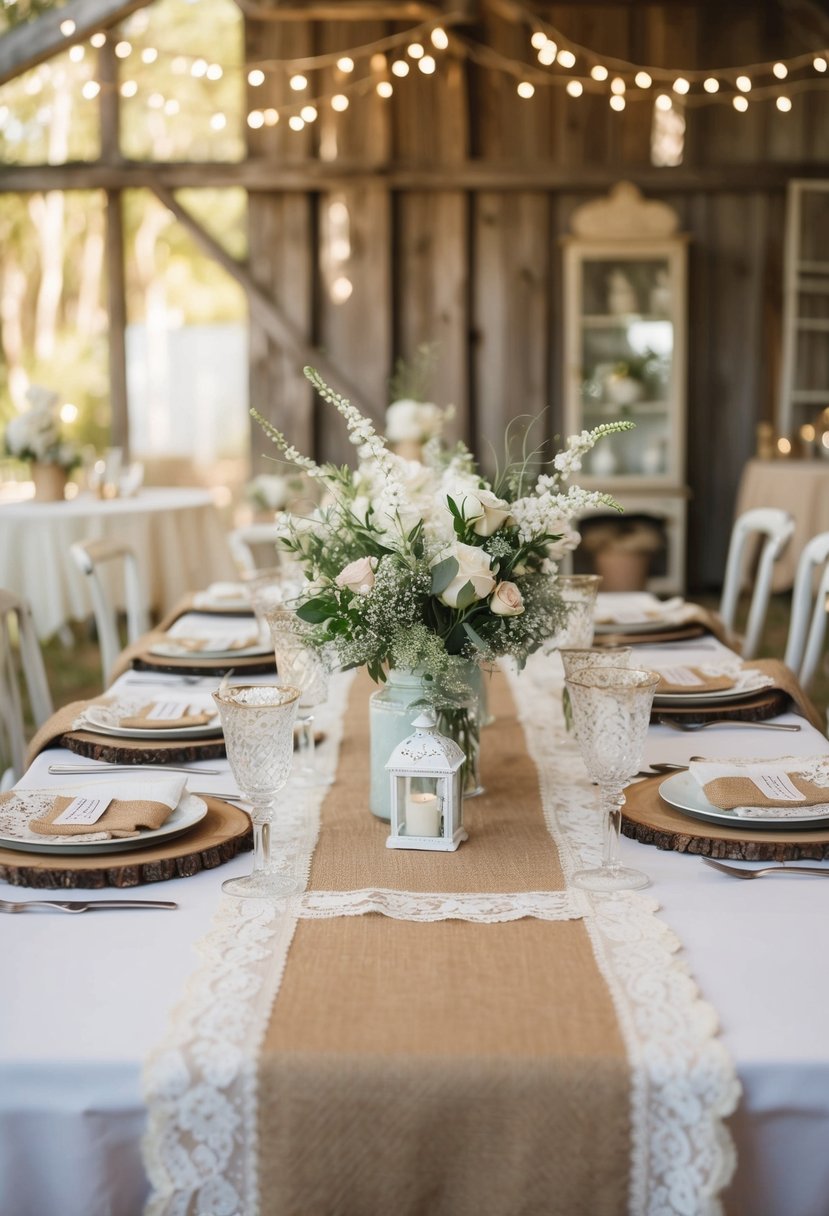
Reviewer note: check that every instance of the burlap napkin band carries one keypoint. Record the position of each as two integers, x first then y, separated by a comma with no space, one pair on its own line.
730,792
121,818
707,683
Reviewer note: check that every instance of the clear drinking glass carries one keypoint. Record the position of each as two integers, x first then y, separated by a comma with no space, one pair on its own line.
576,659
578,591
258,725
611,712
268,588
303,666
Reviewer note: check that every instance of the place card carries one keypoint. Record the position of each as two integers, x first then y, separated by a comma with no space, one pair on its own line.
84,810
774,784
682,677
168,711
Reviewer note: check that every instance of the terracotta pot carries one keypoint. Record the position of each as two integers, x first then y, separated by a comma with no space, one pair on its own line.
50,482
622,570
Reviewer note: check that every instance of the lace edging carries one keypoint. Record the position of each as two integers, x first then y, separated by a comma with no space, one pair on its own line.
481,907
683,1081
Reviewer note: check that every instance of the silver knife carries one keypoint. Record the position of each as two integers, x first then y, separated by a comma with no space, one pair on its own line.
82,905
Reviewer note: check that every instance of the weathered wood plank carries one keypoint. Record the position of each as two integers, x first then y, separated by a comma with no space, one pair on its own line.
31,43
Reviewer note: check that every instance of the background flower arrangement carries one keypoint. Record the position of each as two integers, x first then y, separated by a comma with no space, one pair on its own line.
37,434
426,566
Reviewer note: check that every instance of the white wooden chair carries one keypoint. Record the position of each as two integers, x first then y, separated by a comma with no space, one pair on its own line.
807,625
776,527
20,658
252,539
89,557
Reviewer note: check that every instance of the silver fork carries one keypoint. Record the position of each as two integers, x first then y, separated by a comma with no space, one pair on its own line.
676,724
81,905
738,872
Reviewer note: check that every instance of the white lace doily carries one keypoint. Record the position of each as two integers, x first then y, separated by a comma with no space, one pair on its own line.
481,907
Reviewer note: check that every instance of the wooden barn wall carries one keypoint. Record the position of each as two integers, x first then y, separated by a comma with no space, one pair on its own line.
477,271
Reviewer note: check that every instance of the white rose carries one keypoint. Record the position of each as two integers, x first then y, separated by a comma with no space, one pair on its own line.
358,576
568,541
474,566
495,512
506,600
403,422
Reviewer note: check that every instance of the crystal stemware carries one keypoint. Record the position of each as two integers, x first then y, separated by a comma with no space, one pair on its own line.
578,591
258,725
306,668
270,587
611,712
575,659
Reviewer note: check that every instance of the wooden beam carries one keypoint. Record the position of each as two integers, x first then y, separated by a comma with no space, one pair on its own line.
27,45
270,317
330,175
341,10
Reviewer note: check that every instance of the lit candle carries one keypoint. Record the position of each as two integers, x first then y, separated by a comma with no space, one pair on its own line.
423,815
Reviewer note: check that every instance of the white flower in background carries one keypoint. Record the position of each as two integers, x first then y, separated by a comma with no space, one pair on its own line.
270,491
36,434
358,576
474,566
42,400
570,540
506,600
409,421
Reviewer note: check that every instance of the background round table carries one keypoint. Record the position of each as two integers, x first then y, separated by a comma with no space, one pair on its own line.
176,533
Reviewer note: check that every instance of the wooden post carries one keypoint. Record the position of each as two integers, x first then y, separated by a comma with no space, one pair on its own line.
110,111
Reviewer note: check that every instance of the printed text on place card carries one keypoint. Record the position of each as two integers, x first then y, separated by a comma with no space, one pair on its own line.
83,810
681,676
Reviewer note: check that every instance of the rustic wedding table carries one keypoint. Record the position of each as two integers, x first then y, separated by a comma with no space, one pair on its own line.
176,533
428,1034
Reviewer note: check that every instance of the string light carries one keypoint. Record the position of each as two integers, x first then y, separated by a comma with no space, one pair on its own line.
711,84
67,27
384,88
129,88
617,102
575,88
617,85
740,103
780,70
415,51
547,54
599,72
663,102
346,64
525,89
155,101
123,49
218,122
308,113
339,102
681,86
566,58
400,67
76,53
198,68
171,107
819,63
298,82
98,40
439,39
427,65
378,63
296,123
256,119
214,72
743,83
784,104
643,79
90,90
256,77
271,117
538,40
149,54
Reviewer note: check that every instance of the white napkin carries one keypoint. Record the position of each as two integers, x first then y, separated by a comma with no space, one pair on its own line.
633,608
772,778
25,804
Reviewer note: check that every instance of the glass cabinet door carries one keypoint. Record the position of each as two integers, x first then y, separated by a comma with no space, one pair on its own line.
626,352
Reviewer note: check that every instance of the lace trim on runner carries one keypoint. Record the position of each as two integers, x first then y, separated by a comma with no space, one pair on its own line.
200,1084
480,907
683,1082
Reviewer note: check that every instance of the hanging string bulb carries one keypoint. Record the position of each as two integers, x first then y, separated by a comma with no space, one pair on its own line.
681,86
439,39
743,84
740,103
780,70
345,63
784,104
525,89
566,58
298,82
538,39
575,88
711,84
599,72
643,80
617,102
400,68
427,65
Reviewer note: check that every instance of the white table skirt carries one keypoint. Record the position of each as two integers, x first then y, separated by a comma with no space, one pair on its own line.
176,533
85,999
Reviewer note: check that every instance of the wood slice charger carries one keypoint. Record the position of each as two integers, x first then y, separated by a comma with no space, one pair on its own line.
134,751
224,832
754,707
649,819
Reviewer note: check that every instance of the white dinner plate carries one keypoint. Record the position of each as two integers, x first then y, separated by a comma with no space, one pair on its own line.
653,626
683,792
190,811
207,730
702,698
172,650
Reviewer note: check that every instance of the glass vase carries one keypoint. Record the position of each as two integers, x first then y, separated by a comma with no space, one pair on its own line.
392,711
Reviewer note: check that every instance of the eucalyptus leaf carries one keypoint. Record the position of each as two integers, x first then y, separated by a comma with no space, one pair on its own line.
443,573
474,637
466,596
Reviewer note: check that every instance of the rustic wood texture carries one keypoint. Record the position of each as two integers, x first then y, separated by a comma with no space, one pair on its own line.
224,832
135,751
649,819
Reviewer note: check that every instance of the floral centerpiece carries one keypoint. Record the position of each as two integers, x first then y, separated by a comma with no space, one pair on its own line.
37,436
428,567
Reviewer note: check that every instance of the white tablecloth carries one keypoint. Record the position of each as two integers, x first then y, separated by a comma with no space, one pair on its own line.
176,533
85,999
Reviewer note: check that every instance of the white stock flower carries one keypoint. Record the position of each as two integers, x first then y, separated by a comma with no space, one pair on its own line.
474,566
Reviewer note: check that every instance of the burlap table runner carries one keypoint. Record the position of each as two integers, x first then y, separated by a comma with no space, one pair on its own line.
447,1069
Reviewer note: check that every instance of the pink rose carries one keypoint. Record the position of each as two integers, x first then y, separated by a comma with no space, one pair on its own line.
506,600
358,576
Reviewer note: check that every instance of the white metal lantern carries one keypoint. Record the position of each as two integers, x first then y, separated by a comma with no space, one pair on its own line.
426,790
